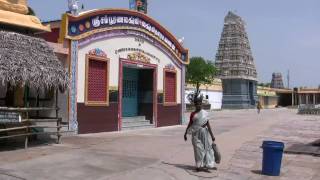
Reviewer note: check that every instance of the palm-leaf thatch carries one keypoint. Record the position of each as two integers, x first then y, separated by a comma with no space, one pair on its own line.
26,60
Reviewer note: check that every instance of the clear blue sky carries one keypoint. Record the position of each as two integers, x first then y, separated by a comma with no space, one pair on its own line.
284,34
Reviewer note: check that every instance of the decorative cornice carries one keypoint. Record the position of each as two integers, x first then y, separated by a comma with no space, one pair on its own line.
96,21
127,33
170,67
137,56
97,52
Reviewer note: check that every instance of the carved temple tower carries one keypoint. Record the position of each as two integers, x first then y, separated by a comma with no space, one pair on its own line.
277,81
236,65
15,16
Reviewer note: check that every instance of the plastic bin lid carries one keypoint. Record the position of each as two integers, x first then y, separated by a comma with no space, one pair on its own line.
273,144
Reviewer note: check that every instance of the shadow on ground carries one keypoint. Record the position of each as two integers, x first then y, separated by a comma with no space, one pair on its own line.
18,143
312,148
191,170
182,166
259,172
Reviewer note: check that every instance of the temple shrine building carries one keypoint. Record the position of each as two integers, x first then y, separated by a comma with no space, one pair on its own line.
127,71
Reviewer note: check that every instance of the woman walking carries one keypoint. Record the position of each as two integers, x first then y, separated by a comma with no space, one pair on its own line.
199,128
259,107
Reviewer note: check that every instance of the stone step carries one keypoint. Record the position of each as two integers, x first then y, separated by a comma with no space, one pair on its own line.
136,123
135,127
133,119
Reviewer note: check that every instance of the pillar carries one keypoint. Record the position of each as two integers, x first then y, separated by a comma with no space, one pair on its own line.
183,103
300,99
314,99
307,98
73,89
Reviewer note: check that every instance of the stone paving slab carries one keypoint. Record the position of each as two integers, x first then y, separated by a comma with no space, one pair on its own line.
162,154
92,165
246,162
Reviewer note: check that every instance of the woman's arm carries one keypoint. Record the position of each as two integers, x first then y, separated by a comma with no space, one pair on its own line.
210,131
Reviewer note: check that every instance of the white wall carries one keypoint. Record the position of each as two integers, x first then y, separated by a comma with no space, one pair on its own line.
109,46
215,98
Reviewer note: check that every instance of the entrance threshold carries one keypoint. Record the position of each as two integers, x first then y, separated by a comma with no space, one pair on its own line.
136,122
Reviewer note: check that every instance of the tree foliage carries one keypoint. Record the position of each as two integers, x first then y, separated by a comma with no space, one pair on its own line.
265,84
200,72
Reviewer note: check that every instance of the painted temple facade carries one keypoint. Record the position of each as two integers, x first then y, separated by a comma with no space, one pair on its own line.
124,67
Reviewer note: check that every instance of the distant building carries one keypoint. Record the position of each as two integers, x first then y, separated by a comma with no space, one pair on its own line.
235,62
212,93
277,81
308,96
268,97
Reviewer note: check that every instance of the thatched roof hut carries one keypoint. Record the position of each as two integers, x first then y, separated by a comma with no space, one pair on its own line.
26,60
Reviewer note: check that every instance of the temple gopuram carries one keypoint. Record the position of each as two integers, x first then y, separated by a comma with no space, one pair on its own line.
236,64
276,81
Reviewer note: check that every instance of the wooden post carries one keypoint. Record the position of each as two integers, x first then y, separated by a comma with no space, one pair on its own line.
37,101
26,139
58,130
58,119
27,130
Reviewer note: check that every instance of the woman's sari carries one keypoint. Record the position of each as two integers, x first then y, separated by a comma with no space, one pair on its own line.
203,151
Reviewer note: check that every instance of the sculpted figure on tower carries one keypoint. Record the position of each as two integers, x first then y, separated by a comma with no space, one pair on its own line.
17,6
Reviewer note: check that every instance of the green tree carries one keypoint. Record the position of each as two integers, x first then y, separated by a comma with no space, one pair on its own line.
200,72
265,84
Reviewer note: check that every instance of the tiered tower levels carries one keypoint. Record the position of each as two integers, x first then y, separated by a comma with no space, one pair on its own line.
236,65
234,58
277,81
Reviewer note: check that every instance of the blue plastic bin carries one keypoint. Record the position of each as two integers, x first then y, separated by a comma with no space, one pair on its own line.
272,156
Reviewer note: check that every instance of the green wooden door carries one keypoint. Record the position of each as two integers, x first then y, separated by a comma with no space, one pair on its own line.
130,92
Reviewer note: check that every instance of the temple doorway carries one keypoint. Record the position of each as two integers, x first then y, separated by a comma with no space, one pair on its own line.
138,104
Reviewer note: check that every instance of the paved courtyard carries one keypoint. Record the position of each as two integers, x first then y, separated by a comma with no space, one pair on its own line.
163,154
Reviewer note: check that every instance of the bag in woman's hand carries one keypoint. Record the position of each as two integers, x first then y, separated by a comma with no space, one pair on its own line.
217,155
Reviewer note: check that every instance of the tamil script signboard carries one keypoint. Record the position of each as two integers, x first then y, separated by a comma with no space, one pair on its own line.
87,24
